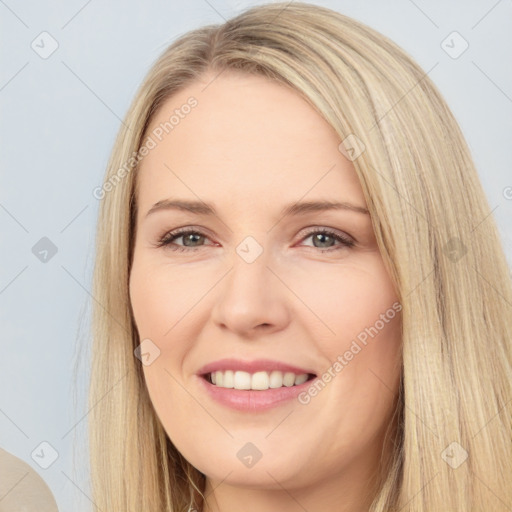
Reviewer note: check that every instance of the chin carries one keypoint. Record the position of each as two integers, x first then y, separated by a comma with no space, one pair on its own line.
240,464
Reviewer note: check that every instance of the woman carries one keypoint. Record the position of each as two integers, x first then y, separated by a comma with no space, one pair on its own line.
294,307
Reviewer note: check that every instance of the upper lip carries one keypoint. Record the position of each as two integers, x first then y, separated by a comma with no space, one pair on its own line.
256,365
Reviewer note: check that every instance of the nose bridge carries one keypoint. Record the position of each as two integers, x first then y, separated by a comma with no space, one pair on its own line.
250,277
251,295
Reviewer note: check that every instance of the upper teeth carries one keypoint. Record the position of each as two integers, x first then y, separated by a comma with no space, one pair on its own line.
258,380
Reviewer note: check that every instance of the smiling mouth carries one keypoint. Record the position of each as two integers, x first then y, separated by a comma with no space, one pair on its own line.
258,381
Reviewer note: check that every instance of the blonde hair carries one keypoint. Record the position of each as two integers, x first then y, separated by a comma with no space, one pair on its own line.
431,220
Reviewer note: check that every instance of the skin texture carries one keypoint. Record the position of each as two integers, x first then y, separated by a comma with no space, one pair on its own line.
250,147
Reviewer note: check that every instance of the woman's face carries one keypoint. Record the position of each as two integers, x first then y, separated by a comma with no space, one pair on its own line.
266,287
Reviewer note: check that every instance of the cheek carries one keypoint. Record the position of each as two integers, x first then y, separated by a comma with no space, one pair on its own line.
348,299
161,295
362,351
162,300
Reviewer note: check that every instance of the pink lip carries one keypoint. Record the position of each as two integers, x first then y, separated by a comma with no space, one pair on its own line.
257,365
251,400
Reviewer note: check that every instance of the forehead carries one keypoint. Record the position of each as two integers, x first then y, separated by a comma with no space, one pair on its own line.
246,137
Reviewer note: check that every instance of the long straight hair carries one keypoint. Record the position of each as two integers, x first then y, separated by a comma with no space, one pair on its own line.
432,224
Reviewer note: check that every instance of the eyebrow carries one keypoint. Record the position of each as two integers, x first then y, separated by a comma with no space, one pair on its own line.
299,208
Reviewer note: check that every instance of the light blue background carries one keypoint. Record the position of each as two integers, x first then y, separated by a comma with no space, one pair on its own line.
58,120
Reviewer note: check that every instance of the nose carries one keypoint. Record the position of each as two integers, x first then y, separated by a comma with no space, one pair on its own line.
251,300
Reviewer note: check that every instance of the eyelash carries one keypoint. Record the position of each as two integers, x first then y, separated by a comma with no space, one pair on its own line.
168,238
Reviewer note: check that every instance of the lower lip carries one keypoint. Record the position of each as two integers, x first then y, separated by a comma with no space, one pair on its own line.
253,400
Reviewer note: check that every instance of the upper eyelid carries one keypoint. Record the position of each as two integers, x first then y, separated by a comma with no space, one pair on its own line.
179,232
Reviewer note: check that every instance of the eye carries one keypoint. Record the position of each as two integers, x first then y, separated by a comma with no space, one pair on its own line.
192,239
323,239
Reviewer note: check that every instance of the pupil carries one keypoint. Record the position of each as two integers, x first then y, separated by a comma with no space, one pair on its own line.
191,237
321,237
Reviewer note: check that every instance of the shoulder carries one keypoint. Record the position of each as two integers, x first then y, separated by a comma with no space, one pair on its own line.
22,488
